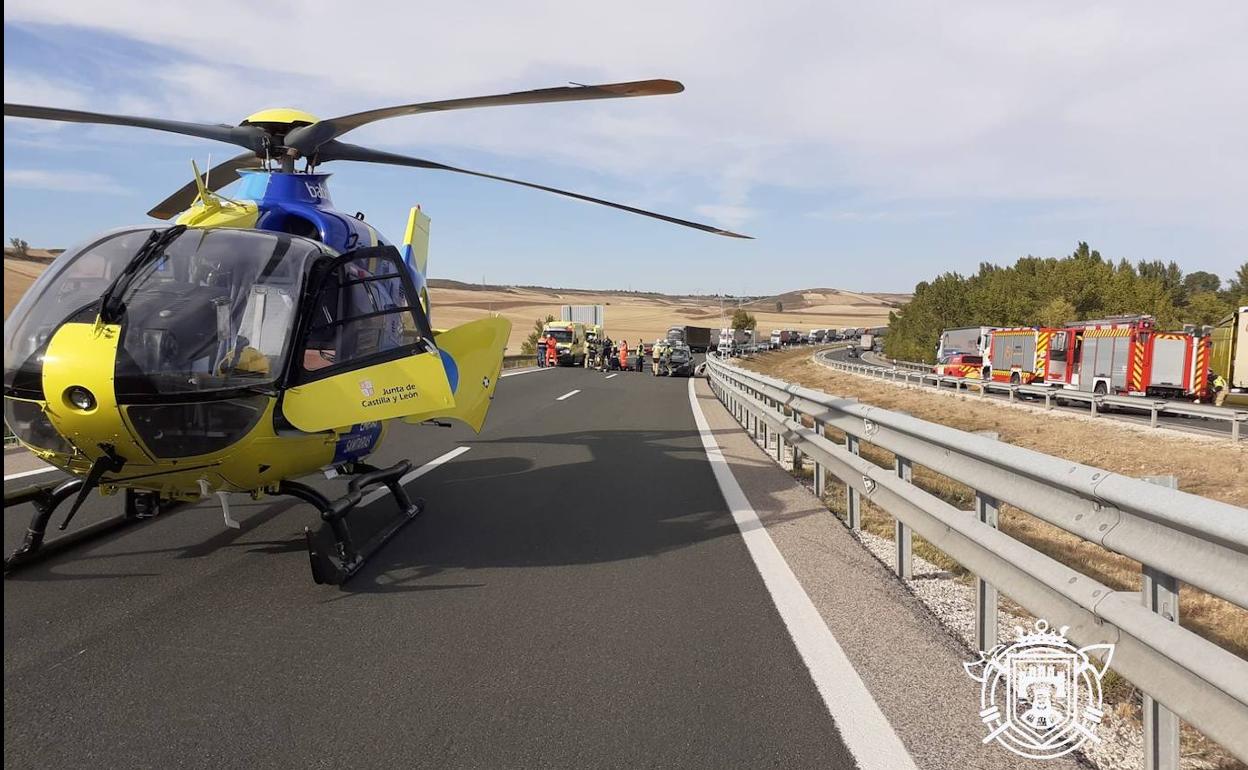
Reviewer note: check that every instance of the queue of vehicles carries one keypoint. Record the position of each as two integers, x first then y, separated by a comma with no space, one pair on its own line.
1120,355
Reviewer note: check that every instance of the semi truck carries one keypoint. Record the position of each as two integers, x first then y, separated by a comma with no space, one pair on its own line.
591,316
965,340
698,338
781,338
1229,355
731,341
867,341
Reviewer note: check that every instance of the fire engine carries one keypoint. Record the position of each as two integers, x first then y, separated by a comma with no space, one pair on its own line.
1127,355
1018,355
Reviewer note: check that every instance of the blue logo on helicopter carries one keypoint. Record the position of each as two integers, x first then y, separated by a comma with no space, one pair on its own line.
357,442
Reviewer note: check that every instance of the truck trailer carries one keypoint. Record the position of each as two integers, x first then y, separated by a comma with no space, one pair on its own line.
964,340
1229,355
700,339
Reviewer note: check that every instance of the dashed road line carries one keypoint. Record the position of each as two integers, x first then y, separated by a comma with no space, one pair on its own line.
609,376
411,476
569,394
527,371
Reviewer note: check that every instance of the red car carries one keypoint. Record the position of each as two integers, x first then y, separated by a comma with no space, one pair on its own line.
963,365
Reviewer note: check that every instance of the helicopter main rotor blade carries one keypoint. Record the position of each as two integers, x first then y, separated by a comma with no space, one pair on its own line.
215,178
335,150
306,139
250,137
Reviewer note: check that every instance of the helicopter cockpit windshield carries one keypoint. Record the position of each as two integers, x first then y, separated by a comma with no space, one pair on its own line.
214,310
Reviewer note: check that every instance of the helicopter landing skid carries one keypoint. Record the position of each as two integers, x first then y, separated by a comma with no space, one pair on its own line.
347,558
46,498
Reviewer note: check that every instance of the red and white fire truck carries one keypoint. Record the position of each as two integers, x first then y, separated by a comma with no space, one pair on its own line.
1127,355
1017,355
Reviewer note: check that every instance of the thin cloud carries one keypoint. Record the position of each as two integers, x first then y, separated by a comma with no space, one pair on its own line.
63,181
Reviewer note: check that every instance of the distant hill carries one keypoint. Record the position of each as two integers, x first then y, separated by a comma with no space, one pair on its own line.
630,314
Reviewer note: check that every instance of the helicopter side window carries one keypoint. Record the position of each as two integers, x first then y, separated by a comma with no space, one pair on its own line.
362,315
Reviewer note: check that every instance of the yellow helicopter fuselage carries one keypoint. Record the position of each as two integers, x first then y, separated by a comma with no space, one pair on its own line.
294,425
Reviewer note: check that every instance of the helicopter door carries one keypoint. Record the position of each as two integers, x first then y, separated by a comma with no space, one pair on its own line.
364,351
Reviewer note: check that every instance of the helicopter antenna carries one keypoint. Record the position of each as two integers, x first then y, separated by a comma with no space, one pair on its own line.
201,186
208,173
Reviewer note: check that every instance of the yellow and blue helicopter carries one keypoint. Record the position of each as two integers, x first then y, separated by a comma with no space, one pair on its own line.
258,339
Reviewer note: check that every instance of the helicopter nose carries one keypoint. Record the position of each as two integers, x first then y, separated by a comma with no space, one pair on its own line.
78,373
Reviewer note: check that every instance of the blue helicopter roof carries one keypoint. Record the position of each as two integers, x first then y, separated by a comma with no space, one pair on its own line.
283,197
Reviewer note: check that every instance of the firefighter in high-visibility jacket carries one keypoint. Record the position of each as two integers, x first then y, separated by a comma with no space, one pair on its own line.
1219,390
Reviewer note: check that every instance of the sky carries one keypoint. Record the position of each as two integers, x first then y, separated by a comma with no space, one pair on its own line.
865,146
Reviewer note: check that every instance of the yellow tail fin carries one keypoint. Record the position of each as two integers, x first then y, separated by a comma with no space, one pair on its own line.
475,353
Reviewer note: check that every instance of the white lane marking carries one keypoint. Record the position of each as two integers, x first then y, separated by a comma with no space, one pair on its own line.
527,371
411,476
569,394
609,376
35,472
863,727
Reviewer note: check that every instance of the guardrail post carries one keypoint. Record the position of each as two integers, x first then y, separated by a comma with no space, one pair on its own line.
853,504
986,510
902,539
821,478
1161,725
1235,421
1152,416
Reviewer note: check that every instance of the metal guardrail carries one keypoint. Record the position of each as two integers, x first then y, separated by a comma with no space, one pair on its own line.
1097,403
1175,536
748,351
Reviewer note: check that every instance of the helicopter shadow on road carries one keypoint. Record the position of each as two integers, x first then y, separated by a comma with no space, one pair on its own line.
252,516
578,498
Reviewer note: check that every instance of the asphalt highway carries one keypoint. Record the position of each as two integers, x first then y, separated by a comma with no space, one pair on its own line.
575,595
1204,427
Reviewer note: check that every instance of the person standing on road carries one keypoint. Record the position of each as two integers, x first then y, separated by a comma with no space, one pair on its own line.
641,355
541,351
623,355
1219,390
552,352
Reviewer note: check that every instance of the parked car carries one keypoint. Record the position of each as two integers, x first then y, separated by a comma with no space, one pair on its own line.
960,365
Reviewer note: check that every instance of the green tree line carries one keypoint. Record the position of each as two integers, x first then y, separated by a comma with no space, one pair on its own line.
1048,291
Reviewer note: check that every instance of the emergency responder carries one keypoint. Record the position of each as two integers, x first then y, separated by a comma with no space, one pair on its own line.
540,349
604,360
623,355
665,360
641,355
1219,390
552,352
591,349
